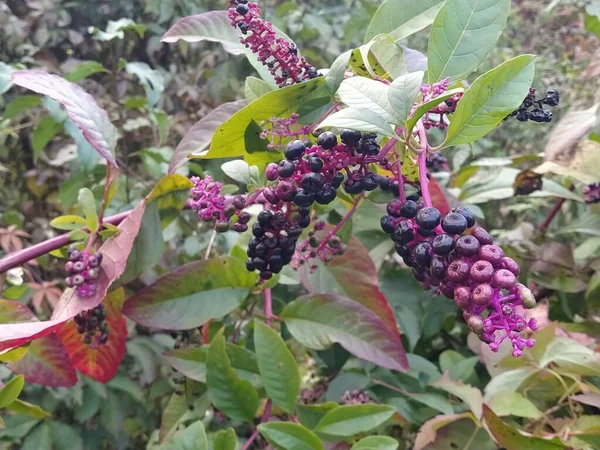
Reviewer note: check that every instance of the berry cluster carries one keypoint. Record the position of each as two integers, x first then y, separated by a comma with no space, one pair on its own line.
83,270
275,237
93,325
437,163
283,130
211,204
591,193
279,55
533,109
466,267
434,118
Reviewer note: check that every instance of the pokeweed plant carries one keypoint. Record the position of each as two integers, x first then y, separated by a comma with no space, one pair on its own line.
312,143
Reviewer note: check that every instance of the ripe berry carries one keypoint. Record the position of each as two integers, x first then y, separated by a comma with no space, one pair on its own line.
403,233
286,168
428,218
304,221
422,254
491,253
257,230
394,208
442,244
482,294
327,140
467,214
458,271
482,236
313,182
265,217
438,268
294,150
552,98
504,279
266,275
326,196
402,250
315,163
303,198
454,223
369,183
467,245
482,271
338,179
350,137
242,9
353,186
409,209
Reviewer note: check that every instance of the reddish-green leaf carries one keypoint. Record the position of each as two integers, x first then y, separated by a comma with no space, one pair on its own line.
191,295
102,361
15,312
319,320
47,363
81,107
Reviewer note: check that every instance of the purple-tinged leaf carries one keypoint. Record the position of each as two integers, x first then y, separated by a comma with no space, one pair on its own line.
81,107
197,139
15,312
317,321
47,363
214,26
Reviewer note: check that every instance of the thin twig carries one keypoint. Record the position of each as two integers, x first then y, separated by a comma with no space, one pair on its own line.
213,236
264,418
553,212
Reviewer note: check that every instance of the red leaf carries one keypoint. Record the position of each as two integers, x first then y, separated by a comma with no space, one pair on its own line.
355,276
81,107
100,362
437,197
47,363
115,251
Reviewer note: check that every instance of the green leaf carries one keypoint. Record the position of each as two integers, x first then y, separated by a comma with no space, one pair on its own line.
173,414
68,223
360,120
317,321
423,108
388,54
290,436
468,394
83,70
87,202
463,33
192,438
40,438
453,432
278,367
350,420
11,391
231,138
514,439
362,93
403,92
152,80
234,397
376,443
401,18
21,407
513,404
5,77
240,171
21,104
336,72
491,97
571,357
225,440
185,297
17,353
255,88
66,436
43,133
311,415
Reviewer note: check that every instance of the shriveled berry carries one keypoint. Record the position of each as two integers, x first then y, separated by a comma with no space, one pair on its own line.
303,198
286,191
510,264
350,137
552,98
409,209
239,202
240,227
482,236
462,297
504,279
458,271
482,294
454,223
286,168
467,214
491,253
467,246
475,323
244,218
326,195
442,244
422,254
327,140
403,233
428,218
482,271
294,150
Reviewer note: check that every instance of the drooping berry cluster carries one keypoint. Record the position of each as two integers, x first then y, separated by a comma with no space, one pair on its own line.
462,262
275,237
92,325
83,270
591,193
211,204
279,55
533,109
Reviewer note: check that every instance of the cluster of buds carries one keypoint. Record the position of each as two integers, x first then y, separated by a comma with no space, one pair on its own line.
462,262
435,117
533,109
591,193
93,326
207,199
82,270
278,54
355,397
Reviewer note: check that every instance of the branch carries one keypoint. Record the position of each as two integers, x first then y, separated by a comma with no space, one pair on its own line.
341,223
263,419
268,306
422,160
21,257
553,212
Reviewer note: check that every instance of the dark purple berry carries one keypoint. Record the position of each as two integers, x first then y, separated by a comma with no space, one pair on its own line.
286,168
467,214
467,245
294,150
338,179
454,223
265,217
422,254
552,98
402,250
482,271
315,163
326,196
442,244
350,137
353,186
327,140
312,182
403,234
387,224
242,9
409,209
258,230
428,218
266,275
394,208
244,218
438,268
303,198
369,182
482,236
239,202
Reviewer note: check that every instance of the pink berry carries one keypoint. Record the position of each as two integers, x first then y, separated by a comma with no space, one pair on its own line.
504,279
462,297
482,271
491,253
510,264
482,294
458,271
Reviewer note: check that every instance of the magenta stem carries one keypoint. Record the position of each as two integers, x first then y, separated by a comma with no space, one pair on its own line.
268,306
422,160
19,258
400,179
263,419
341,223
